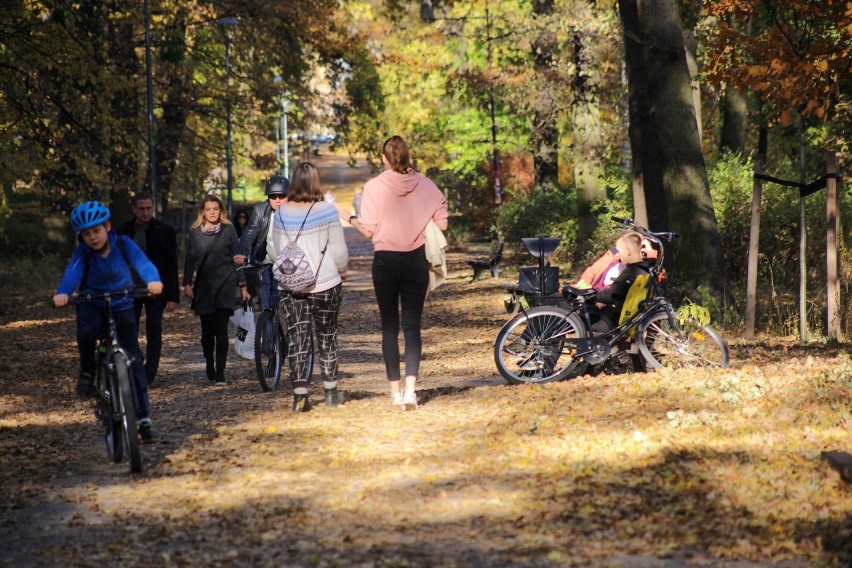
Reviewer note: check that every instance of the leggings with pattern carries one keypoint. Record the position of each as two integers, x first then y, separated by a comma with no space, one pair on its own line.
296,313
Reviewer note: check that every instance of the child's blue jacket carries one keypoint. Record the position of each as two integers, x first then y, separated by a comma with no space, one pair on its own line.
108,274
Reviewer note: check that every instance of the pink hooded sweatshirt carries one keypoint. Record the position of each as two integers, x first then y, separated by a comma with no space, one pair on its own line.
396,208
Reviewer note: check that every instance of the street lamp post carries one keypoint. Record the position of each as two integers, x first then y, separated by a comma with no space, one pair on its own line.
285,107
222,22
149,84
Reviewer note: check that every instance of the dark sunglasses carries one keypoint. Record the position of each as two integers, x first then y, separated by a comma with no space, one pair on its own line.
277,196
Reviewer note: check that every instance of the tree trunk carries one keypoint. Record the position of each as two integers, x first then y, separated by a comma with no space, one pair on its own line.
587,136
544,140
734,120
125,107
691,52
700,260
649,200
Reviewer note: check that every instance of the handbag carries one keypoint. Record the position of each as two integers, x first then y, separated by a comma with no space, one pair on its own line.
198,269
243,319
292,269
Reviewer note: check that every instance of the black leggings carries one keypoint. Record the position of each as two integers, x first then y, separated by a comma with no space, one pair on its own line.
215,339
401,278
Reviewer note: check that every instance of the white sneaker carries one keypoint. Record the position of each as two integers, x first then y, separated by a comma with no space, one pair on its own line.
409,401
397,398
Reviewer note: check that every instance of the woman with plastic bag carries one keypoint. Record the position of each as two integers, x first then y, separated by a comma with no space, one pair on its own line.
209,251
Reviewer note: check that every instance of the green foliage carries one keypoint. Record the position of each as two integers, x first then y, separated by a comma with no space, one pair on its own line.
542,212
691,311
38,273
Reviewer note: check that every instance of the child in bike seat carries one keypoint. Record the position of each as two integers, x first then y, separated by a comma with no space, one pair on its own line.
610,299
99,264
606,268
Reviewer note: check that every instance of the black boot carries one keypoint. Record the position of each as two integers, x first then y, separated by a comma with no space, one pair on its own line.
301,403
211,370
221,359
333,397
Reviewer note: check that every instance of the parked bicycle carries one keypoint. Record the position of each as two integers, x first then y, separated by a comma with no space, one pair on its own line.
115,408
550,343
270,340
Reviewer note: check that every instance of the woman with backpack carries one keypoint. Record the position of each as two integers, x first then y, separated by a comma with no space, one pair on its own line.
396,207
310,265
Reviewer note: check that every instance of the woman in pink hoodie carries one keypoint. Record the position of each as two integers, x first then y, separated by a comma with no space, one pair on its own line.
395,209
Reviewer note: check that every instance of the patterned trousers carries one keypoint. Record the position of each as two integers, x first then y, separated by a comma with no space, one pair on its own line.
297,312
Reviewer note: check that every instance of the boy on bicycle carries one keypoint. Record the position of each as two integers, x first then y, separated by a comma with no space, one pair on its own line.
101,264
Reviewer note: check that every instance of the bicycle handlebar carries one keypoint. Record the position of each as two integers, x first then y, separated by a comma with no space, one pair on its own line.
627,222
123,293
251,263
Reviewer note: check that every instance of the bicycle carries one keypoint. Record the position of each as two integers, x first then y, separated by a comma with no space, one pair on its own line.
549,343
270,339
114,406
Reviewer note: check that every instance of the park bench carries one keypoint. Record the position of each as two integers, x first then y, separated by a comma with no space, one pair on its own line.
492,263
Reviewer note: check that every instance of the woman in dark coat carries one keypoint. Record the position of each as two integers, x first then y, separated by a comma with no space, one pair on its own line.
211,245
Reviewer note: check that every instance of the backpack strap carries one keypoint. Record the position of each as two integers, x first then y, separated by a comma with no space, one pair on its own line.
302,226
122,249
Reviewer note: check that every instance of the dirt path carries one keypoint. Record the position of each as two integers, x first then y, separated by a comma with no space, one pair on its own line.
656,470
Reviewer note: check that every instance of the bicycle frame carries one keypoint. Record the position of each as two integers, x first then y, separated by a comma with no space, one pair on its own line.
652,305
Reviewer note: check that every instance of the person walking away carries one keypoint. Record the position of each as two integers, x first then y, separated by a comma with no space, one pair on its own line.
101,264
395,208
312,224
159,243
256,240
211,244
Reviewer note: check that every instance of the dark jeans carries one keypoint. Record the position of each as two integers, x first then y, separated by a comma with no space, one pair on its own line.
153,335
401,279
91,319
268,287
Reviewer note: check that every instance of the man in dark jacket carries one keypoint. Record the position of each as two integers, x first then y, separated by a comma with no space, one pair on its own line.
256,233
159,243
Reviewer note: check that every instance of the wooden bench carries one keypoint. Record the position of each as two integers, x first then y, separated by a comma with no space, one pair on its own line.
492,263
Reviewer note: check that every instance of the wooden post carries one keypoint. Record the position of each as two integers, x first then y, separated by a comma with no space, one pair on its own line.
753,249
803,241
831,245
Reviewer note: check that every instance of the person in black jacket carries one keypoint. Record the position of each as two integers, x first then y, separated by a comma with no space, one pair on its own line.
159,243
610,300
253,241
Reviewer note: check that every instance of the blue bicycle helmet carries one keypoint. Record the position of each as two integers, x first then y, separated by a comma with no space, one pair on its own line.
88,215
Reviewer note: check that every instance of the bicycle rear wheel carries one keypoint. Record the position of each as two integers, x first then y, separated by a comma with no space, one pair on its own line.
687,344
531,347
269,351
109,414
128,412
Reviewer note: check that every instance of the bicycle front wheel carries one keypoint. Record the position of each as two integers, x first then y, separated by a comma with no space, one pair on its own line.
268,351
109,413
688,344
128,412
531,347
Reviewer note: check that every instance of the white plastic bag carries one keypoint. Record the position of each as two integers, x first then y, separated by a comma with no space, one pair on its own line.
243,319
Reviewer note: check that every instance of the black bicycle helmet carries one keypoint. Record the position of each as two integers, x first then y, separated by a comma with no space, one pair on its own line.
89,214
277,185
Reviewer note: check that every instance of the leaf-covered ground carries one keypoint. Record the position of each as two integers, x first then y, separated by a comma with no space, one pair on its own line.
658,469
629,470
